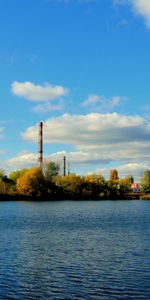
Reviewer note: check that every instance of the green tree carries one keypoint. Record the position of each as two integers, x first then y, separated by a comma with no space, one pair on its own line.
94,186
130,178
145,181
14,175
71,185
51,169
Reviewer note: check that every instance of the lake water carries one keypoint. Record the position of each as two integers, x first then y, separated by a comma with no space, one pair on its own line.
75,250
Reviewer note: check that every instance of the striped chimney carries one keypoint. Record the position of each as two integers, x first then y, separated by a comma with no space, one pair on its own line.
40,145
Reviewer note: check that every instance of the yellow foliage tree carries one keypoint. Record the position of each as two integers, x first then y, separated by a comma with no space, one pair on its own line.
31,183
94,178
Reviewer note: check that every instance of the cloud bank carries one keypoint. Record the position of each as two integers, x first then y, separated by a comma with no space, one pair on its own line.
91,129
22,160
98,138
97,143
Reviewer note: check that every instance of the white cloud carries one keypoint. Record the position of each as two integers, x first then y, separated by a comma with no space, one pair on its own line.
130,169
48,107
80,162
1,132
101,103
22,160
27,159
99,142
91,129
32,92
92,99
140,7
78,157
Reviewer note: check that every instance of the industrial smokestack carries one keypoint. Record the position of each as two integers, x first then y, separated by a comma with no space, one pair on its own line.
64,165
68,168
40,145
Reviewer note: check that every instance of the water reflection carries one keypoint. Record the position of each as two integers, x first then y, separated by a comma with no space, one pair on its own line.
75,250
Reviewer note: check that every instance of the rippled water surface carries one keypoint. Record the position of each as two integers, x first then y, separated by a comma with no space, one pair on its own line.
75,250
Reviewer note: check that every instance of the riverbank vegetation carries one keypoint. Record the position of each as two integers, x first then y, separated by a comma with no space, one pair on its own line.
50,185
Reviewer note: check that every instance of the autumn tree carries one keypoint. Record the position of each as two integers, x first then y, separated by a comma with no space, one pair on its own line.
125,183
1,174
114,174
2,185
31,183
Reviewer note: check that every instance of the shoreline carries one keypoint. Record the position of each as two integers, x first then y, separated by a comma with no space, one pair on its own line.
17,197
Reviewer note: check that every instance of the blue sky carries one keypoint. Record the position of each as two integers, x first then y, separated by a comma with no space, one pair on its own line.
83,67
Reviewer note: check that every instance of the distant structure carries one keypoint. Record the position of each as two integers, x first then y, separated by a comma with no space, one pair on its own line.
40,145
68,168
64,165
135,187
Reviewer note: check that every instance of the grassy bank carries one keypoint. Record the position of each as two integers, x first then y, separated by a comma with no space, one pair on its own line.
145,197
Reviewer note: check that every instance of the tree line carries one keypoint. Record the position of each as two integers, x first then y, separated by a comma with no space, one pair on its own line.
49,184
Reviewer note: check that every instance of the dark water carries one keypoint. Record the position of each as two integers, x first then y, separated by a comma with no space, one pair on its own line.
75,250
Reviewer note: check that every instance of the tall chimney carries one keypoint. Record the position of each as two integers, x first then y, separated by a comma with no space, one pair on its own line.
64,165
40,145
